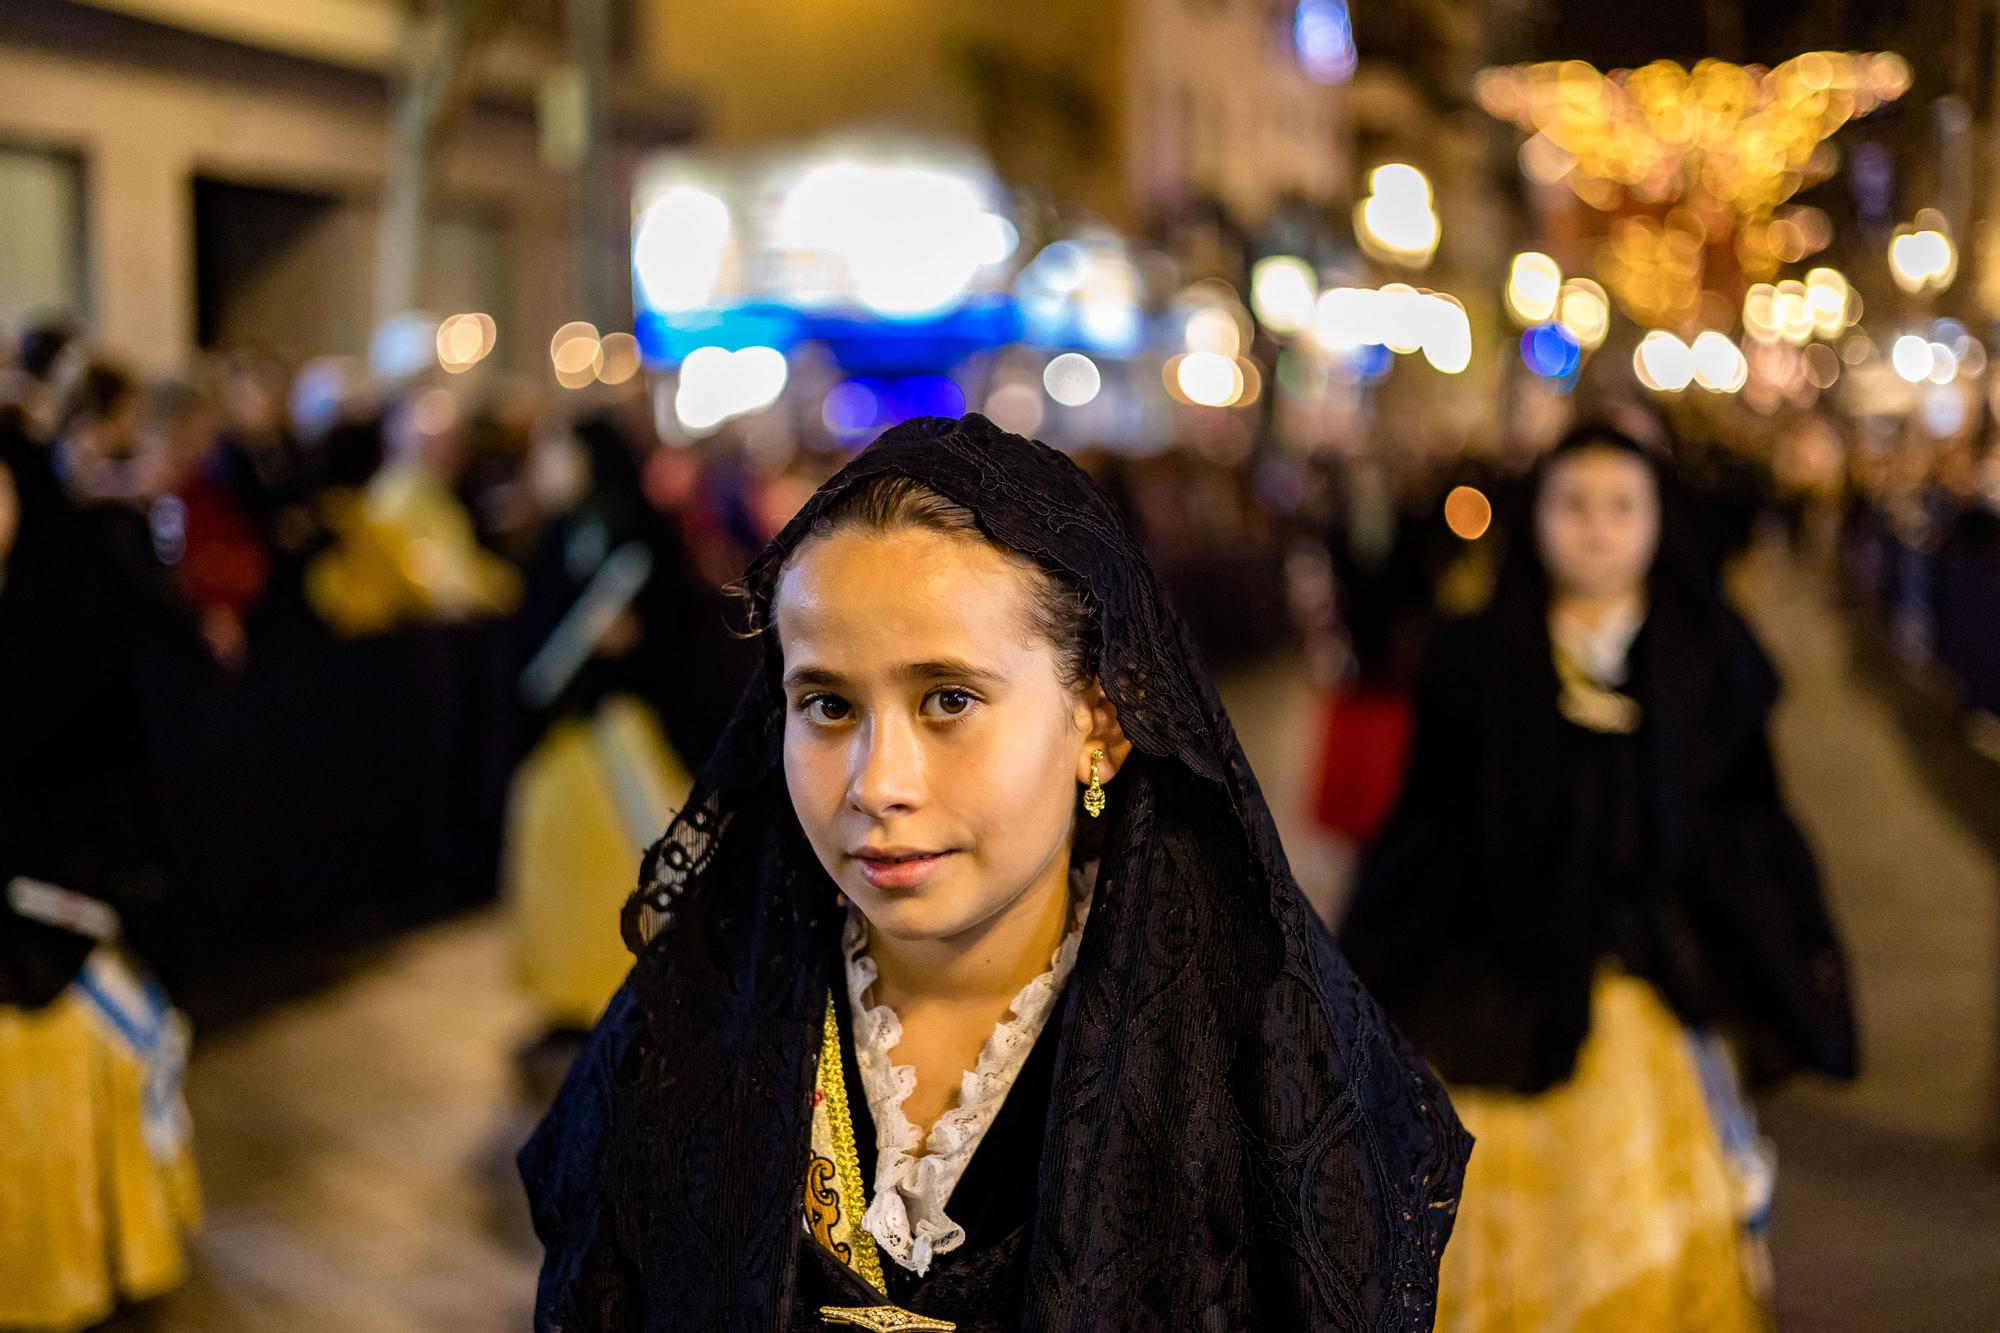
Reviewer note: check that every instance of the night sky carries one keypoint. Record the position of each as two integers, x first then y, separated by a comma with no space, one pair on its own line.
1611,33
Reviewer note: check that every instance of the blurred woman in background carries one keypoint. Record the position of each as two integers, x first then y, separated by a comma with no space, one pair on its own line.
97,1182
1589,873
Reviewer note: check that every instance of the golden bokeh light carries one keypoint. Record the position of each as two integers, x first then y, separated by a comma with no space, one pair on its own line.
1468,513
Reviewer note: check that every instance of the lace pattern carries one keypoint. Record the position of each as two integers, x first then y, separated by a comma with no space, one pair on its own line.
907,1212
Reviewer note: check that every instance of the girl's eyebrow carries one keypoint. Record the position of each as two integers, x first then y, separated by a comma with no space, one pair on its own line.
942,668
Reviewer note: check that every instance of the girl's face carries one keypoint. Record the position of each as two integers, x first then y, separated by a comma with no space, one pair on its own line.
931,750
1598,523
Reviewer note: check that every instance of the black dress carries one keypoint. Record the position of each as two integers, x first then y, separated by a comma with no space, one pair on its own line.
977,1286
1526,850
76,807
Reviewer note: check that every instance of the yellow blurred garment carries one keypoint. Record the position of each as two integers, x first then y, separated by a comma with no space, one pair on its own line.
404,552
97,1179
1605,1205
584,807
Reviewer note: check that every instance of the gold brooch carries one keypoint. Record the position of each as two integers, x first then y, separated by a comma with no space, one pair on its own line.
884,1319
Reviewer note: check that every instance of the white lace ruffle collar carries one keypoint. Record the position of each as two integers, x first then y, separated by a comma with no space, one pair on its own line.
906,1215
1603,650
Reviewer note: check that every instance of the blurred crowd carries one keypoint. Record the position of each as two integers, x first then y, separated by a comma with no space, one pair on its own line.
343,610
302,656
268,548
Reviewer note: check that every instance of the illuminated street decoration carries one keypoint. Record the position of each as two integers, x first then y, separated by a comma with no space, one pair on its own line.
1534,287
1584,311
1397,223
1693,164
1729,136
1323,35
1922,258
1399,318
894,254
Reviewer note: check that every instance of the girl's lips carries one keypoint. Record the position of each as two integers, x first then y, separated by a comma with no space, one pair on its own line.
900,874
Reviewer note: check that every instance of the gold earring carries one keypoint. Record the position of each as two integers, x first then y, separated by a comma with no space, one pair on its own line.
1093,797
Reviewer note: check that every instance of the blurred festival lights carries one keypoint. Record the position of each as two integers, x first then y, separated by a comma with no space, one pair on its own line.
1584,312
1719,365
1551,351
1690,164
1396,223
1399,318
716,385
463,341
1207,378
618,358
1534,286
1468,513
1083,292
1743,138
909,237
1663,362
1323,35
680,245
1922,258
576,351
1282,291
1072,379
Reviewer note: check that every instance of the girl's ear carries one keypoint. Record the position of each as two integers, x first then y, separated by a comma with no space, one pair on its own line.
1101,732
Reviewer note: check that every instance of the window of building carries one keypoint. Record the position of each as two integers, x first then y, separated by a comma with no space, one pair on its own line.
41,215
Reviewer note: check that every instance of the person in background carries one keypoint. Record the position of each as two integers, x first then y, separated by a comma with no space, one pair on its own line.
1590,874
27,385
97,1182
199,527
404,550
255,454
94,431
602,780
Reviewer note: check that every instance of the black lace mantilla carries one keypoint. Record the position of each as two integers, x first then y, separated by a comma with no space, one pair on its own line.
1236,1139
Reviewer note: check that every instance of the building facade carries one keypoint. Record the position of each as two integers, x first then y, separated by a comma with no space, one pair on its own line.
192,173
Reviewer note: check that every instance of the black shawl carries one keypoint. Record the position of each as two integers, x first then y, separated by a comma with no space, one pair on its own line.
1480,916
75,793
1236,1137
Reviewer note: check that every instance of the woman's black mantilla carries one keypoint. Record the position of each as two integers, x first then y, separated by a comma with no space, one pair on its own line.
1236,1138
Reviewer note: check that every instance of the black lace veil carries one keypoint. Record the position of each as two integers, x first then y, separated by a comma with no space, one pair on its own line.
1236,1137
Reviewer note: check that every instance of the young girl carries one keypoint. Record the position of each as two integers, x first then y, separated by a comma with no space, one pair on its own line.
1590,865
972,988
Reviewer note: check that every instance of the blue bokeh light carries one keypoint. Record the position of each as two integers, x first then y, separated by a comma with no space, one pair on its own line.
867,403
1370,362
1323,34
1550,351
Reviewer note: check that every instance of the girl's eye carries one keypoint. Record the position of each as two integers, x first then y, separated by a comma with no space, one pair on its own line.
949,703
824,708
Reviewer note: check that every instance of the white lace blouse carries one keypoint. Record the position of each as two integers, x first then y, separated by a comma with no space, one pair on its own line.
907,1216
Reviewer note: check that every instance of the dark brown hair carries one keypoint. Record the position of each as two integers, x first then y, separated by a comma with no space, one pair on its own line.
1057,609
95,388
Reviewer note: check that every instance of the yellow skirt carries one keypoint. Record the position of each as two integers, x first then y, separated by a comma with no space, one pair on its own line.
1606,1203
584,807
97,1180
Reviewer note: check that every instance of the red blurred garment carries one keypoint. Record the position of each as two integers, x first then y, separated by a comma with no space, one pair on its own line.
1361,765
225,565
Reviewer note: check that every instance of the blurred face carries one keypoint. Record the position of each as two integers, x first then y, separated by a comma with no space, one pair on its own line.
177,446
113,435
1598,523
252,400
931,749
